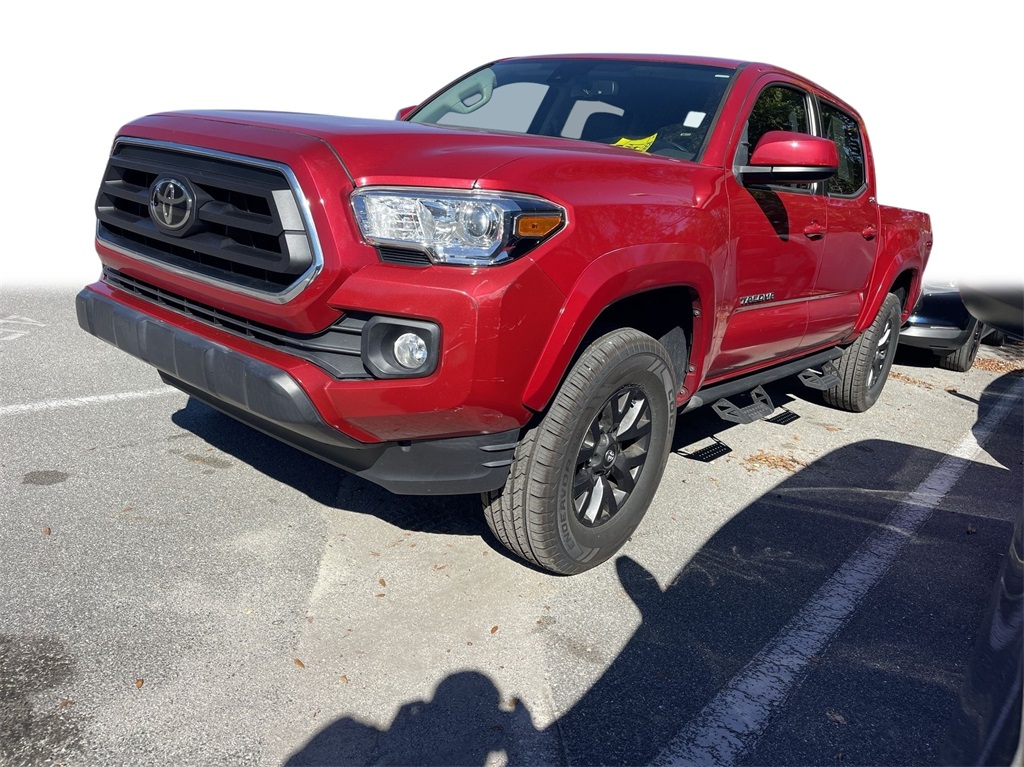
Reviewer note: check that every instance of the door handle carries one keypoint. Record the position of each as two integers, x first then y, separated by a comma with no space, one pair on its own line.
869,232
814,230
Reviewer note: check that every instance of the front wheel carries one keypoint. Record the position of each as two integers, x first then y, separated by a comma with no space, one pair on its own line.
865,364
583,478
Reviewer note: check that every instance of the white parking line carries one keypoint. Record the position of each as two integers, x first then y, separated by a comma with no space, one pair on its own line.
99,399
734,719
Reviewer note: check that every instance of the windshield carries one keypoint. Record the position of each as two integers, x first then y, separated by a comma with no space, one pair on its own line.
654,107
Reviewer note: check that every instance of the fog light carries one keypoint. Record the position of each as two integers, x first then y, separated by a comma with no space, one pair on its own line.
410,351
396,347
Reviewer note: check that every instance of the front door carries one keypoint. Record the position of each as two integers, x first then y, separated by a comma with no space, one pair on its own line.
776,243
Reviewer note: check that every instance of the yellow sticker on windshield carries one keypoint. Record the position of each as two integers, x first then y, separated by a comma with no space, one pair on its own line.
639,144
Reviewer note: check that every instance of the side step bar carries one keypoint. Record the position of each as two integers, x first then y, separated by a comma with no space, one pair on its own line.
807,365
760,407
826,378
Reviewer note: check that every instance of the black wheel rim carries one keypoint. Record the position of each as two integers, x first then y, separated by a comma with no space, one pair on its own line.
875,373
611,456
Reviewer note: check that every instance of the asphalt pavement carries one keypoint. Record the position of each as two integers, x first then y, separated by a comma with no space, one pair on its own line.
178,589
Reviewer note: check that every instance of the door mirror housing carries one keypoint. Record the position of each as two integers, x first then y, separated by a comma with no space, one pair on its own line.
405,112
785,157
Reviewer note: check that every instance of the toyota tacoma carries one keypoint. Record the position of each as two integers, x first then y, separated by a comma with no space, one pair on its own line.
514,287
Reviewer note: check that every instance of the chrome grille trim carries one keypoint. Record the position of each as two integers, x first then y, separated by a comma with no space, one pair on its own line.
292,209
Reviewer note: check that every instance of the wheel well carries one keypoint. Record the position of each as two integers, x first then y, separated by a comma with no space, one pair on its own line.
902,288
665,314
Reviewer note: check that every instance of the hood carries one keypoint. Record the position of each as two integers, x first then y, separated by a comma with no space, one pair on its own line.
393,151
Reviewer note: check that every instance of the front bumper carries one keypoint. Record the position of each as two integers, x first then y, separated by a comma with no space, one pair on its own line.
271,400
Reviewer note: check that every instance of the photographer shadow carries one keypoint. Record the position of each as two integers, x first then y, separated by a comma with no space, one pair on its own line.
728,602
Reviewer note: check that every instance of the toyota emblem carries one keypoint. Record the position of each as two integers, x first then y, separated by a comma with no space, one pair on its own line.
170,204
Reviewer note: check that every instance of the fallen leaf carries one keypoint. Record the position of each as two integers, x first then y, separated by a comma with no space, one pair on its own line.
65,703
382,582
494,629
771,460
374,553
835,716
512,703
971,530
309,619
344,678
951,389
998,366
380,595
831,428
46,531
299,663
440,567
898,376
138,683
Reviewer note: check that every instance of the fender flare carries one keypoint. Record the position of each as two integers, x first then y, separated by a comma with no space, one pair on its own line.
608,279
906,260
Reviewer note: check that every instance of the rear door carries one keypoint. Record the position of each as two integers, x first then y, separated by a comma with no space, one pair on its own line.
853,230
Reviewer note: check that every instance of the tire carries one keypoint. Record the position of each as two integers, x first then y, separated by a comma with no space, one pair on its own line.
865,364
583,478
962,359
995,338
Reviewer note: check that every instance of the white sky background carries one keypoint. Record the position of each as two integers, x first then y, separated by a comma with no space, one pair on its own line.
937,115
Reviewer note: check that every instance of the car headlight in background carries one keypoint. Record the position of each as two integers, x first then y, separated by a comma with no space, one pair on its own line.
453,227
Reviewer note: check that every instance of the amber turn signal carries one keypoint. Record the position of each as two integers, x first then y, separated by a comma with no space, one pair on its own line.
537,226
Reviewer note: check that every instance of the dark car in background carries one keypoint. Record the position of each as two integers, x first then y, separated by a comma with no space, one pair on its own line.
942,324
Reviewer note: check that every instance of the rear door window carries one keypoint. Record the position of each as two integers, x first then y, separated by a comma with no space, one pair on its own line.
844,131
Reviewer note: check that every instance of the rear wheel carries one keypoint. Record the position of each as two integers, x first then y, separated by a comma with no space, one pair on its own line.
865,364
962,359
583,478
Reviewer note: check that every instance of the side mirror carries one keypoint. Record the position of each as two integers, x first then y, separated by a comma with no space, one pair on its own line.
405,112
785,157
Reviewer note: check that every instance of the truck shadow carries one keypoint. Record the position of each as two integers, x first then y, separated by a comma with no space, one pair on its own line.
334,488
724,605
327,484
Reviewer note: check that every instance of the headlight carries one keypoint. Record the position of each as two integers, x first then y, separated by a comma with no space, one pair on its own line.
451,227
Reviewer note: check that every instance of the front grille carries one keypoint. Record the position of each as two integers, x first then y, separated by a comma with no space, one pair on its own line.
337,350
248,230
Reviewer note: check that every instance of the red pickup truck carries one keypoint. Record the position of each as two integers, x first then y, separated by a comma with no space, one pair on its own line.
512,288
